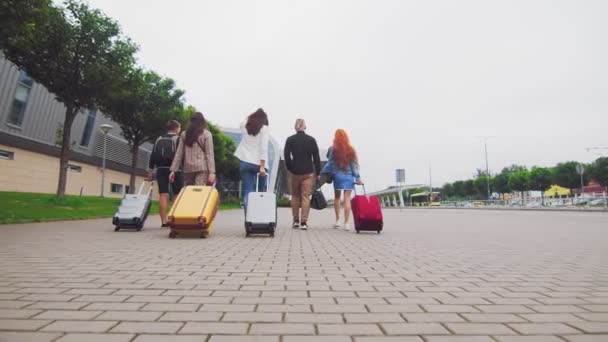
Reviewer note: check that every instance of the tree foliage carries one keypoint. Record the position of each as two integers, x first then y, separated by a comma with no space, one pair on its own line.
142,104
76,52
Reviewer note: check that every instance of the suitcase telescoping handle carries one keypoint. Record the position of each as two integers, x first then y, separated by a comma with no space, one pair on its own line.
141,187
363,185
257,182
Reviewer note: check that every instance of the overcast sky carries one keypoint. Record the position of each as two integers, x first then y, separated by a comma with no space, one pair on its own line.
413,82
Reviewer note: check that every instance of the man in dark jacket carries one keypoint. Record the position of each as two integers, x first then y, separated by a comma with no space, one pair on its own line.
304,164
161,159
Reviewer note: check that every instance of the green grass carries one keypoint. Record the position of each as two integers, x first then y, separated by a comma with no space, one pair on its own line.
20,207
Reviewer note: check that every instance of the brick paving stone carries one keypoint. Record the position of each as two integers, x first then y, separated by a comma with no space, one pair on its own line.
432,317
111,306
129,316
13,336
374,318
22,324
339,308
252,317
479,329
587,338
493,318
80,326
313,318
96,338
317,339
68,315
458,339
544,328
593,317
349,329
147,327
219,338
171,338
388,339
528,339
551,318
227,308
282,329
170,307
514,309
191,317
284,308
215,328
592,327
414,329
394,308
14,313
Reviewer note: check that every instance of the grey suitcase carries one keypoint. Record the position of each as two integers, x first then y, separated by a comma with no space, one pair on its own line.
134,209
261,215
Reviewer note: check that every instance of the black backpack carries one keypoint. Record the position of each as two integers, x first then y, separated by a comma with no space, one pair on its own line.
164,149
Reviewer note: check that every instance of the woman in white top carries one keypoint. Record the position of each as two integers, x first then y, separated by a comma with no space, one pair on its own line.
253,152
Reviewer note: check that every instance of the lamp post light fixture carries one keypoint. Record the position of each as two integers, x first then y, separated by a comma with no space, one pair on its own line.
105,128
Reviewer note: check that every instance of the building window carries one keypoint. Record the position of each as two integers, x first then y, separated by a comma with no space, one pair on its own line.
74,168
24,87
88,128
7,155
116,188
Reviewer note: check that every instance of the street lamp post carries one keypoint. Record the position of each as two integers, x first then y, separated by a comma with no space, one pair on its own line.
105,128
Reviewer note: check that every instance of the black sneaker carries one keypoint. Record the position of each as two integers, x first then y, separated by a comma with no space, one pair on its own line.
296,224
304,226
164,225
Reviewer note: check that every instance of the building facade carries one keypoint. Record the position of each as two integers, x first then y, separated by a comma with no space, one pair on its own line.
31,121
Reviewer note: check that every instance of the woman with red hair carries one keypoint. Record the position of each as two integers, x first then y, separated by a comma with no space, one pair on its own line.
343,165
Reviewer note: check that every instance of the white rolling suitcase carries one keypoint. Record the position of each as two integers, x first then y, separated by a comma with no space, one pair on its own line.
134,209
261,216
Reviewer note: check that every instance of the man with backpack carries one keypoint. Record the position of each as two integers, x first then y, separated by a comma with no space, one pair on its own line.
161,159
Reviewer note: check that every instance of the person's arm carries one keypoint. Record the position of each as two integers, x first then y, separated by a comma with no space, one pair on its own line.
315,157
287,154
179,153
209,155
264,141
152,164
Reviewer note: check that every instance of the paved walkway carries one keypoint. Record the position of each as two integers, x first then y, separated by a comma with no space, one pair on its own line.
434,276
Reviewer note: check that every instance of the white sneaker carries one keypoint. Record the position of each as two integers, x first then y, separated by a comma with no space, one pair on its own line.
337,225
347,226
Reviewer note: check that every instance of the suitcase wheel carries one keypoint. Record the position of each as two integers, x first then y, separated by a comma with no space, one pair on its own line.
117,228
379,231
172,235
358,231
203,236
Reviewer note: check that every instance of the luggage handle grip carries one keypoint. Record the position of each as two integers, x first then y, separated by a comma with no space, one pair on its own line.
364,191
257,182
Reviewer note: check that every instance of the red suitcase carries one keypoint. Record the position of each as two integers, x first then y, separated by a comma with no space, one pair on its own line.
367,212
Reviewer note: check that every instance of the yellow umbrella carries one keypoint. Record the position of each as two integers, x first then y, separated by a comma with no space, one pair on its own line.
556,190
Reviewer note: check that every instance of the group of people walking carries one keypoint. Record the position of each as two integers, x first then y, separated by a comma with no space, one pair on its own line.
187,158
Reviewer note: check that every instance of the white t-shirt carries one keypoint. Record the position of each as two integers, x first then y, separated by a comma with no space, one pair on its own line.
252,149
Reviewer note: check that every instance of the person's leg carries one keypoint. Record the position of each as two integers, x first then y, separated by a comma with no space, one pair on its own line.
305,192
295,199
162,178
347,194
337,194
247,181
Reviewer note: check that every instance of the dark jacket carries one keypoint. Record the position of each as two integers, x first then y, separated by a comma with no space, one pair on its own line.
302,154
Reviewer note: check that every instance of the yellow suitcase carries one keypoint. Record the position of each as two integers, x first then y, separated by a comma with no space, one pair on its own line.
193,211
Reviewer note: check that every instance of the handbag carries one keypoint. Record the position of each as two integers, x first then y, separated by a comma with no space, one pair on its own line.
318,201
327,172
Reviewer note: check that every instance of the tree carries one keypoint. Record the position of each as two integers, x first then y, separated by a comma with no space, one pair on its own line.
77,54
501,183
565,174
513,168
20,18
520,181
481,186
458,187
142,104
540,180
468,188
599,171
448,190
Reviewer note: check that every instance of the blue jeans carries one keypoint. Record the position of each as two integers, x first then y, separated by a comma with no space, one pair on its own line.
249,174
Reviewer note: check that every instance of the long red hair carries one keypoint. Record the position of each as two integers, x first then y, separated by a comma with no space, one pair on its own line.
343,151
